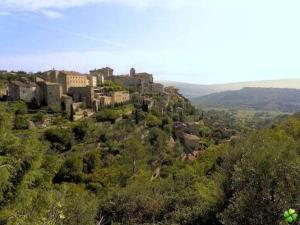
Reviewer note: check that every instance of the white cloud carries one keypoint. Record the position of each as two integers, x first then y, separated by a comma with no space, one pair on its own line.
40,5
52,14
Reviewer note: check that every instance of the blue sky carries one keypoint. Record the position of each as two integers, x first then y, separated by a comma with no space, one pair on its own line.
196,41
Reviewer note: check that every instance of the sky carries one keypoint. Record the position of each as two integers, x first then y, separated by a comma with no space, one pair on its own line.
194,41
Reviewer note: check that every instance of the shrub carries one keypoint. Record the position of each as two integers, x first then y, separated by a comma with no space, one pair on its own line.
21,122
108,115
61,139
152,121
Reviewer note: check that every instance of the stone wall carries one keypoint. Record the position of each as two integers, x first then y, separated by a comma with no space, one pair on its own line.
120,97
53,96
22,91
83,94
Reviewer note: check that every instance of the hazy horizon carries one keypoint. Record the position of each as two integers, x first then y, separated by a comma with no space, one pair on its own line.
235,82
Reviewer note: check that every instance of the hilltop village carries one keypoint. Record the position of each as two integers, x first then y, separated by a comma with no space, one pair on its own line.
80,96
72,92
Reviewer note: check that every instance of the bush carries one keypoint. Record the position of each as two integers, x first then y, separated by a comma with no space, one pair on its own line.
108,115
71,170
19,107
39,117
82,130
61,139
21,122
152,121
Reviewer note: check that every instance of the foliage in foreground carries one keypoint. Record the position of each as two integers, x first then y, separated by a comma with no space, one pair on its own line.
126,173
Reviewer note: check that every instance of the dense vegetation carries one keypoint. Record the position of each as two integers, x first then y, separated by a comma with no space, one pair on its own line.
269,99
120,168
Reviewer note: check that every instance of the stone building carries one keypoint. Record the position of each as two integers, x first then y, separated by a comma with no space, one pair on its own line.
141,82
105,100
156,88
83,94
50,94
91,81
120,97
112,98
72,79
25,91
50,76
102,74
67,104
66,79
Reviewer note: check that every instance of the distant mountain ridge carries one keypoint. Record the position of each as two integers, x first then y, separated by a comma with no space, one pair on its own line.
197,90
269,99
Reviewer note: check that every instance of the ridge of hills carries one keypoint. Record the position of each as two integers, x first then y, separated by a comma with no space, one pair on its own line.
268,99
196,90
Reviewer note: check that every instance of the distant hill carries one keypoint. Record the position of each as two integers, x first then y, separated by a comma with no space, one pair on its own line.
197,90
270,99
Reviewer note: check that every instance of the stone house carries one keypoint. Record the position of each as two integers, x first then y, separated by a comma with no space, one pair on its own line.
120,97
50,94
91,81
156,88
66,79
102,74
25,91
82,94
142,82
67,104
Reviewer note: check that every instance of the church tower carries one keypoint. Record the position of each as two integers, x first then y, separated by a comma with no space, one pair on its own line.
132,71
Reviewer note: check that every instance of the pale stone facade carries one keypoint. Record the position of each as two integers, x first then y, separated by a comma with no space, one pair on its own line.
102,74
83,94
156,88
120,97
66,79
91,81
53,96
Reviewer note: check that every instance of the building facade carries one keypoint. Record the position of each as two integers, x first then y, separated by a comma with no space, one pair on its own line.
49,94
119,97
91,81
25,91
66,79
102,74
83,94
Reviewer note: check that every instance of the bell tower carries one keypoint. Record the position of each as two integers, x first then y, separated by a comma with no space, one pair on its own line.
132,72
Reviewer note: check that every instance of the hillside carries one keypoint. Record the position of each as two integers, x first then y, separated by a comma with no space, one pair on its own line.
153,160
197,90
269,99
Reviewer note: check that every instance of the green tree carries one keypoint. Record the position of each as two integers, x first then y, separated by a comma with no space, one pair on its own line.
61,139
80,206
152,121
132,152
265,180
21,122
